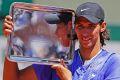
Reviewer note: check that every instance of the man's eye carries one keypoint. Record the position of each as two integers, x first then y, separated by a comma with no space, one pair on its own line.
80,27
91,27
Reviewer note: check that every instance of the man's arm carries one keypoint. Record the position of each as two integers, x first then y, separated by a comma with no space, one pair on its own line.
11,70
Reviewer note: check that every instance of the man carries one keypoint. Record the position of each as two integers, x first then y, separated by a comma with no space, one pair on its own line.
91,62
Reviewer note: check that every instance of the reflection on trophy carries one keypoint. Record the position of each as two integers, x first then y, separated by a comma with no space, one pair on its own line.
41,34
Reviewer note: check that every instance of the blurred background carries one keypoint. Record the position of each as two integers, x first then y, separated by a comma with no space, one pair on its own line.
111,9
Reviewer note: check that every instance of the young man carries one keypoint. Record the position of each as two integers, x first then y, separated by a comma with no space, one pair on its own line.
90,62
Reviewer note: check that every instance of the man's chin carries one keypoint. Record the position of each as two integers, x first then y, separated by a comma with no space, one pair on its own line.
87,46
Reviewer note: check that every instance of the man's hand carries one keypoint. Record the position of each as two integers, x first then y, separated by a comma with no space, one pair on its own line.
62,71
7,26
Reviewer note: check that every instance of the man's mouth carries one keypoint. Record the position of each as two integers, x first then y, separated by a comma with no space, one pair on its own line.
86,40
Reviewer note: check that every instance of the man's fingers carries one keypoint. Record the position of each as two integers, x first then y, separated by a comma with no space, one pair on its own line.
8,22
7,32
62,72
63,63
56,66
8,17
7,26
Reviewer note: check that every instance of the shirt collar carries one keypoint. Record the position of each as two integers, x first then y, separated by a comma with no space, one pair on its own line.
88,61
93,58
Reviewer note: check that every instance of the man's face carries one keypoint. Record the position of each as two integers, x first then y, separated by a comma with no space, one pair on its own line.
62,32
87,32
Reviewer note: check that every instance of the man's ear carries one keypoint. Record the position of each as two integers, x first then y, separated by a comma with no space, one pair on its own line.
103,26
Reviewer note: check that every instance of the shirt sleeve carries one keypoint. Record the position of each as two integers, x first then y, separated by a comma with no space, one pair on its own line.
113,71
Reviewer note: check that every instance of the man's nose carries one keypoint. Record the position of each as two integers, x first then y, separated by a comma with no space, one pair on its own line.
85,32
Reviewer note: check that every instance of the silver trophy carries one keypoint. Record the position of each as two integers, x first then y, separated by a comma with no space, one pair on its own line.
41,34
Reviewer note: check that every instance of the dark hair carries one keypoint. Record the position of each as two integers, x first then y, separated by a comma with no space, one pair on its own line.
105,35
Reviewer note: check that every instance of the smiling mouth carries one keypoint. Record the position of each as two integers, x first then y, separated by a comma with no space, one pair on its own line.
86,40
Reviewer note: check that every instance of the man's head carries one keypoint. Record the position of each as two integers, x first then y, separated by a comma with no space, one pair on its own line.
90,24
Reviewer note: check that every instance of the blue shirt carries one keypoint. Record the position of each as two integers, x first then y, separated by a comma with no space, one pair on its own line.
104,66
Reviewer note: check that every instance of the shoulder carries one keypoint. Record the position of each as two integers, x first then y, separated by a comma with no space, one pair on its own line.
113,61
114,58
113,67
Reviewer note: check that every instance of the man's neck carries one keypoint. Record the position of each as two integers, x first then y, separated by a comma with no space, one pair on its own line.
89,53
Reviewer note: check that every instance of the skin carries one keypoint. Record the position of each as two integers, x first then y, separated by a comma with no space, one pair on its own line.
27,73
62,71
88,35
